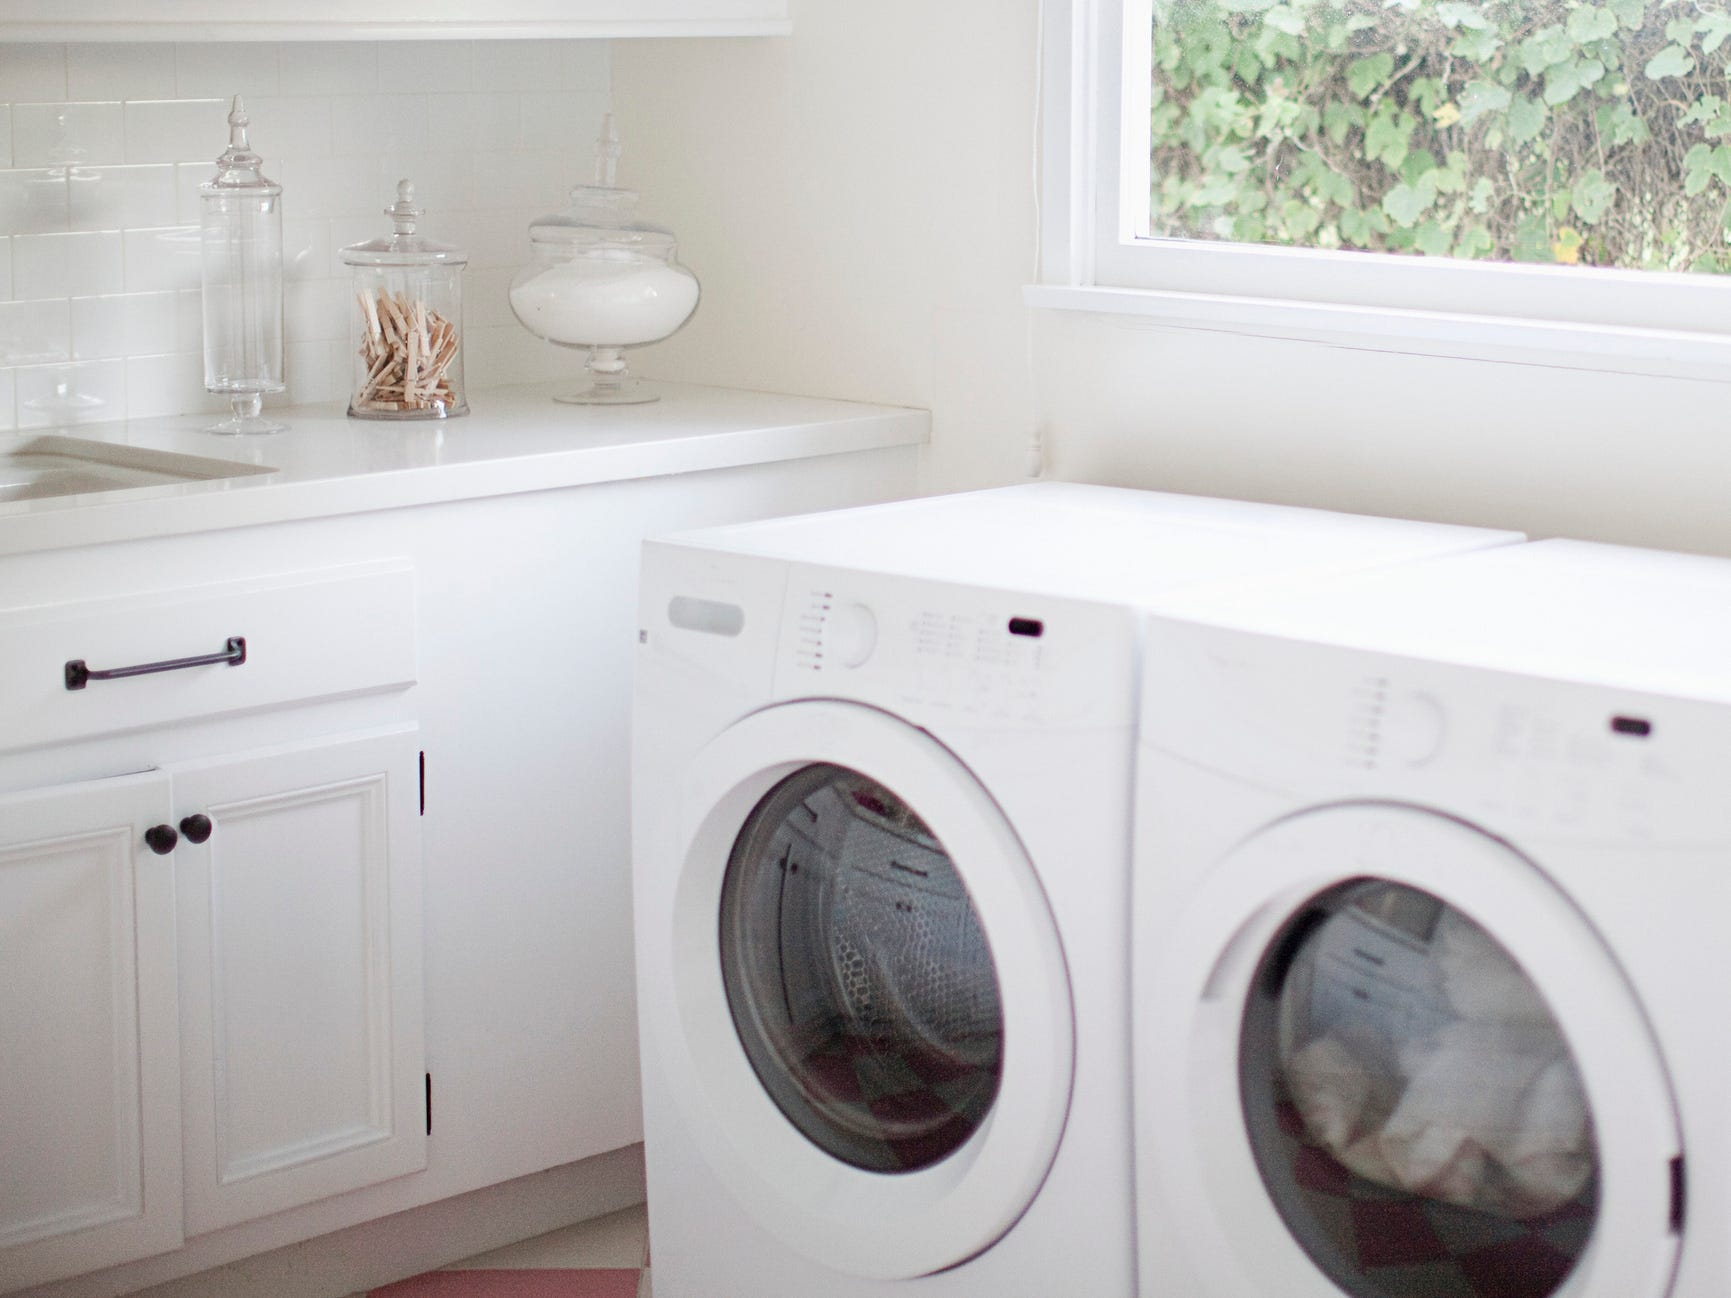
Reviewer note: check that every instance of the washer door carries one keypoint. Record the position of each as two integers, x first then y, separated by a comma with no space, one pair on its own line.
871,993
1444,1087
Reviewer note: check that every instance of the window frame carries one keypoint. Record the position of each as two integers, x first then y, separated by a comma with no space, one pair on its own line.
1094,186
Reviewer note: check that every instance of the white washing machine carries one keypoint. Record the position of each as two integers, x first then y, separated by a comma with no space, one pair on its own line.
1433,867
882,777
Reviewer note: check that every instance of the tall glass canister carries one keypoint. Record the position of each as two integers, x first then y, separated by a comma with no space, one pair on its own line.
240,223
406,332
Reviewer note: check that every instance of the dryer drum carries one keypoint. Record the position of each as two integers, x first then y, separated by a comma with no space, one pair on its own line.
860,981
1414,1110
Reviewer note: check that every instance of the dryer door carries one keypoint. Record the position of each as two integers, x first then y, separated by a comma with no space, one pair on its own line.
871,992
1409,1068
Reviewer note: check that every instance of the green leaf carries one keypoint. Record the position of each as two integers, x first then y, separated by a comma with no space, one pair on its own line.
1544,47
1681,31
1592,197
1454,15
1631,14
1672,61
1526,120
1476,47
1365,75
1592,25
1716,27
1484,189
1286,19
1433,239
1405,204
1228,158
1388,138
1697,169
1481,97
1475,243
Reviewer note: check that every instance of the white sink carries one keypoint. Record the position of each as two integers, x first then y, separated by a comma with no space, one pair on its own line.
54,465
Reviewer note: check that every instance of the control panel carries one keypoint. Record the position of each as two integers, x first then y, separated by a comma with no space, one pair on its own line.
991,657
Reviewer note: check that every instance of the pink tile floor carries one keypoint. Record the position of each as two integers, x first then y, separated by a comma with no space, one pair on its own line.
604,1258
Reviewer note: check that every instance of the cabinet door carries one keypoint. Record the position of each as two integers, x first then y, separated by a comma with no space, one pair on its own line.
300,975
89,1064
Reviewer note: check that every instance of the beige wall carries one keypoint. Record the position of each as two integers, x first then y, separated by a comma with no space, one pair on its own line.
859,200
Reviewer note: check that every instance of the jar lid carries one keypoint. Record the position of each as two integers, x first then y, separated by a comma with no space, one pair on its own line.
237,170
603,214
403,247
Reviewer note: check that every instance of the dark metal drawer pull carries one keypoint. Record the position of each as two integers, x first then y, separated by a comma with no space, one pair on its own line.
78,675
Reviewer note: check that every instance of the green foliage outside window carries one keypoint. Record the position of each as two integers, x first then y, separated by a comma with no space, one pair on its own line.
1511,130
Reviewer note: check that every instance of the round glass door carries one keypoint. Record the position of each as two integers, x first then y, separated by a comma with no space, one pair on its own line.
1414,1109
858,974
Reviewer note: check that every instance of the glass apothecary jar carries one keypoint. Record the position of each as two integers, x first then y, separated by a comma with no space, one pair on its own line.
406,328
602,280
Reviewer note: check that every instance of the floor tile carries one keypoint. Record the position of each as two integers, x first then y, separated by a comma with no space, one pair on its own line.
559,1282
619,1239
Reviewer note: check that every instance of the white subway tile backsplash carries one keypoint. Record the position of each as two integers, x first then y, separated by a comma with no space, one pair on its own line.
444,184
467,123
99,327
103,149
373,124
588,66
32,73
33,202
224,69
151,323
34,333
58,135
328,187
315,310
541,180
169,385
71,394
97,71
176,130
520,66
121,198
306,250
330,68
440,67
290,126
162,259
67,265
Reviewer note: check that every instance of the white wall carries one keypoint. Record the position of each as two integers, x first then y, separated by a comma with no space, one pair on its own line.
859,202
102,149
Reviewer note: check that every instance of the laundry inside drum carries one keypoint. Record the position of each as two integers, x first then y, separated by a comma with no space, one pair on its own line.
1414,1108
859,977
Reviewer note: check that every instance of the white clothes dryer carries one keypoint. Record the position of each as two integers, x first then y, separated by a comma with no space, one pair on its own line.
1431,871
881,806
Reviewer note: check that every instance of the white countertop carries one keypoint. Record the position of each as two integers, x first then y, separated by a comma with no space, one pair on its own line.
516,439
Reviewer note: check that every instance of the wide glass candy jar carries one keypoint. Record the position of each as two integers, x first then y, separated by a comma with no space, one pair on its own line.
602,280
406,326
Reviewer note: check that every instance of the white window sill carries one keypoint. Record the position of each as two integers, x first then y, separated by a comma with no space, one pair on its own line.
1601,348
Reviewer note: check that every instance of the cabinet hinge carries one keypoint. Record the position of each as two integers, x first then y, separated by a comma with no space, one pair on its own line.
429,1104
423,781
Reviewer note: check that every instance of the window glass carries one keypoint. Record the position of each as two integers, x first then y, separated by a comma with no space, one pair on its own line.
1541,131
1415,1111
861,983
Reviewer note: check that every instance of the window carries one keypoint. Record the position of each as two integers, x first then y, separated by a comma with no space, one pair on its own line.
1544,180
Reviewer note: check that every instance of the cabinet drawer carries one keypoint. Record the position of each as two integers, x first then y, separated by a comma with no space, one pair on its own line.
307,635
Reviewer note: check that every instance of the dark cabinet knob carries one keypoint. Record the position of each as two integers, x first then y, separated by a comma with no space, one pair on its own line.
196,827
161,839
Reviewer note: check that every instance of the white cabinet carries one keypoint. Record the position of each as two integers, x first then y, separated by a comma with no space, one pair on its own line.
300,976
89,1061
211,1001
187,20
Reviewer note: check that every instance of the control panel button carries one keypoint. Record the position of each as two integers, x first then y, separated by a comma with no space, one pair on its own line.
852,634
